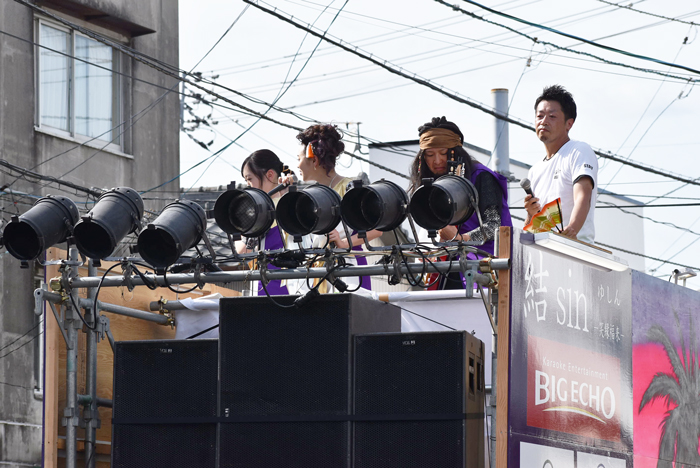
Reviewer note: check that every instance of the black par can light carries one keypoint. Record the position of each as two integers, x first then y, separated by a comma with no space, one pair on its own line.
117,213
50,221
448,201
178,227
313,210
382,205
249,212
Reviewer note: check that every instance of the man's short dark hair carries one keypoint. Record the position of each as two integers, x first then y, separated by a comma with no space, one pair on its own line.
558,94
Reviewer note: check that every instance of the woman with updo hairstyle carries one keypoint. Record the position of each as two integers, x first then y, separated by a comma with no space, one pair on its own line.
441,140
321,146
261,170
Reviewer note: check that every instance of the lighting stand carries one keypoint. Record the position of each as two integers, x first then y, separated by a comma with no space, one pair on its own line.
64,293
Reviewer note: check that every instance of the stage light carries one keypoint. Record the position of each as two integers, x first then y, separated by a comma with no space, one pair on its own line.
448,201
382,205
117,213
313,210
178,227
249,212
48,222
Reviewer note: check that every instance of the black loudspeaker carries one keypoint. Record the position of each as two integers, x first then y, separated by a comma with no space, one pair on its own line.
165,400
286,378
419,400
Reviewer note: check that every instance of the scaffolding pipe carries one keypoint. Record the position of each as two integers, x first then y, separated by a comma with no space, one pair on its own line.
44,295
127,311
394,296
90,412
86,400
297,273
71,324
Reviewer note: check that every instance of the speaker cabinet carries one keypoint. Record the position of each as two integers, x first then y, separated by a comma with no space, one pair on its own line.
419,400
286,378
165,401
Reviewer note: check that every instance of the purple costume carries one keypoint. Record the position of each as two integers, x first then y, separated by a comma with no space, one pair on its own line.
473,222
273,241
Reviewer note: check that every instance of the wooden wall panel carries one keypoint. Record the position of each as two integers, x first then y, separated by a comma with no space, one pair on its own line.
124,329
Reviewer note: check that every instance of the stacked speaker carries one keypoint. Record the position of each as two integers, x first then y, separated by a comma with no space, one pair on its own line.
331,384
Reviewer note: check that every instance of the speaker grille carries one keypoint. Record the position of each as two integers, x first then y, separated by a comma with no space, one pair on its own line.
284,445
409,373
409,444
164,446
165,378
399,376
285,361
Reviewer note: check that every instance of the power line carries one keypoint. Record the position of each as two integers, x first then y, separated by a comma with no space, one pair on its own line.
567,49
666,223
630,251
629,7
585,41
399,72
452,95
284,90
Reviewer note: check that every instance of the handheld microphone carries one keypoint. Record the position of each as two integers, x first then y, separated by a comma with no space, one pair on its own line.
525,184
279,188
284,186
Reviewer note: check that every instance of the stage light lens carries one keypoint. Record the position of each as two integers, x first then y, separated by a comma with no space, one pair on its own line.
47,223
178,227
448,201
382,205
313,210
249,212
117,213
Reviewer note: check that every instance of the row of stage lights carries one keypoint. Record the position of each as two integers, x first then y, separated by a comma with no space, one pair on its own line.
249,212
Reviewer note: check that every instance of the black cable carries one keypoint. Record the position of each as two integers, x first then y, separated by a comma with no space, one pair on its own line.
629,7
570,36
146,281
22,336
22,345
97,293
17,386
165,280
213,327
454,96
426,318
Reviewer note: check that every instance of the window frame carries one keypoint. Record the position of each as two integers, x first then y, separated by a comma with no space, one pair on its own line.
116,144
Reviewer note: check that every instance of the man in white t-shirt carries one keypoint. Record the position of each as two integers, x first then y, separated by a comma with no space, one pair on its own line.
569,170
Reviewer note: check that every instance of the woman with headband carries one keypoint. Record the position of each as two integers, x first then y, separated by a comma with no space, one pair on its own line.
322,144
441,141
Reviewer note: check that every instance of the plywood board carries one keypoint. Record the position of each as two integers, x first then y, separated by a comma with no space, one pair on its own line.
124,329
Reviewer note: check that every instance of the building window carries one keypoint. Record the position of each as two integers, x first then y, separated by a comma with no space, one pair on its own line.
78,86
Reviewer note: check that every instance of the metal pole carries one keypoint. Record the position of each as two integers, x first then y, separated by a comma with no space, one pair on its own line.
500,162
494,373
296,273
127,311
91,414
396,296
72,323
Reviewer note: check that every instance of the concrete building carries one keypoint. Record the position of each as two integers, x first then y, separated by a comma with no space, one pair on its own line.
81,110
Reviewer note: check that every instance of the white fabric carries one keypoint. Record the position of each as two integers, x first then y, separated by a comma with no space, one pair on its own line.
555,178
201,313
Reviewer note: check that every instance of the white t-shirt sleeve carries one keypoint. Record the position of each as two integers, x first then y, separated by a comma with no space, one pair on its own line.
584,163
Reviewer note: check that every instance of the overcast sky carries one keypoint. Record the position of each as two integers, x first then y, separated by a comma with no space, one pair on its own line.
647,117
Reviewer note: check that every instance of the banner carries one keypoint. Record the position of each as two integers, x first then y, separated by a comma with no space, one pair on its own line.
570,383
